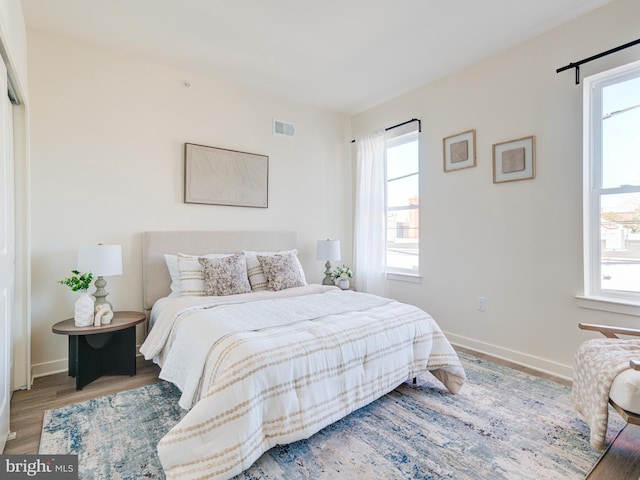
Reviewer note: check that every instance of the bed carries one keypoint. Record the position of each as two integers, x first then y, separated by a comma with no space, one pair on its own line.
274,363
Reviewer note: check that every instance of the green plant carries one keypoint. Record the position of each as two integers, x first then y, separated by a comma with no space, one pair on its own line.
78,281
342,271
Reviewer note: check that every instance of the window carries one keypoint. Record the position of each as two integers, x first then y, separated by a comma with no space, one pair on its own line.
403,202
612,185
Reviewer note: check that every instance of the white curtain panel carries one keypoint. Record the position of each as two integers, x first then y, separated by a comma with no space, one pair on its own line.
370,214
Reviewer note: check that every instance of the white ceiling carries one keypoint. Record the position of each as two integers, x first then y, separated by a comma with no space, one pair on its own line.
340,55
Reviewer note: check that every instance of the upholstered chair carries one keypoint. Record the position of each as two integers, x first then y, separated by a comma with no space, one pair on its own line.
607,369
624,394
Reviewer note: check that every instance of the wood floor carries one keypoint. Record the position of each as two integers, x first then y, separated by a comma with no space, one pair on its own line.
53,391
620,462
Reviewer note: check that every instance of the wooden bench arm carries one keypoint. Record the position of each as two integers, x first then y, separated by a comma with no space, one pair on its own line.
609,332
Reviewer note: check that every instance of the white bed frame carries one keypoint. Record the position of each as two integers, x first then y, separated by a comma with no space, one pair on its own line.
155,276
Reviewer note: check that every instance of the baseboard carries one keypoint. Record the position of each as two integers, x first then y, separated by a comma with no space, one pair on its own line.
530,361
49,368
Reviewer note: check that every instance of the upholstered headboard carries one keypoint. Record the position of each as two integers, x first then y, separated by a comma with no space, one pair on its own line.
155,276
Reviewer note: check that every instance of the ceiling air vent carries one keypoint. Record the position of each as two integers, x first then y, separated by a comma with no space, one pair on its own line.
283,128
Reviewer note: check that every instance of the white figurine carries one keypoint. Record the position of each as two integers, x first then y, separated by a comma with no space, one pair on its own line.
103,314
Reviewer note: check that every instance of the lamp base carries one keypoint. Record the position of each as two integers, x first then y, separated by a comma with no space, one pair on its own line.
101,294
327,280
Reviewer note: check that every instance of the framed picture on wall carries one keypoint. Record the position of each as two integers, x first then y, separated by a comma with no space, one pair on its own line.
217,176
514,160
459,151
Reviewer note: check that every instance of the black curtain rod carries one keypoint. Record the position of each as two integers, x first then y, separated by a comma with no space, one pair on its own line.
576,65
401,124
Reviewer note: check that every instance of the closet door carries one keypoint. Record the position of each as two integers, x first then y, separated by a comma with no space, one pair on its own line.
7,253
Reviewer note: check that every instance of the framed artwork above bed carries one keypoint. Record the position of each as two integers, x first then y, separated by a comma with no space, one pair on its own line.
217,176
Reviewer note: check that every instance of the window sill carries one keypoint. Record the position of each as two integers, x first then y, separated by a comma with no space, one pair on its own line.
404,277
609,304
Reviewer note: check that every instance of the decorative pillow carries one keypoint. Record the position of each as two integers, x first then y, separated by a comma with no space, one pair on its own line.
192,274
281,270
174,273
225,276
257,278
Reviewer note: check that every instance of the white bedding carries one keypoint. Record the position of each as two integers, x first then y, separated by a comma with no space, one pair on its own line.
182,352
269,368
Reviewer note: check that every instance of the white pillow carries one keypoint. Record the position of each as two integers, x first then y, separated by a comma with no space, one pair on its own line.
192,274
174,273
257,278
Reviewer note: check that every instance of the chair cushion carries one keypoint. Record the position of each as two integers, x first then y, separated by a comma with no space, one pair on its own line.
625,390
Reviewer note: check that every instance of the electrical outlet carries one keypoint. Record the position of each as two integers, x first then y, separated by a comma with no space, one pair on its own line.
481,304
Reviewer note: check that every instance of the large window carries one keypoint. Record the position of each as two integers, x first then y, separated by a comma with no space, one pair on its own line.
403,232
612,185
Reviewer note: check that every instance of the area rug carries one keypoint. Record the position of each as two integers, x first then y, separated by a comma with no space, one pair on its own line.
504,424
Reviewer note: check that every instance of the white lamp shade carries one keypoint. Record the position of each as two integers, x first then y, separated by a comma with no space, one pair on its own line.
101,260
328,250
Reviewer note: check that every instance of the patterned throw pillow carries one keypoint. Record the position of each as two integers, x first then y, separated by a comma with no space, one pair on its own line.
281,270
225,276
255,272
192,273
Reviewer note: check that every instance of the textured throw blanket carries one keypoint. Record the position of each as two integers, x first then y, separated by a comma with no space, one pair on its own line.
296,366
597,363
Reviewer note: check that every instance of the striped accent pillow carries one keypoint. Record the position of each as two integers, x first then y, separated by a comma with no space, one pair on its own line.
192,273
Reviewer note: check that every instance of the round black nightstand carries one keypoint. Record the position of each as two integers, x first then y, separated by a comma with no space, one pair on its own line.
108,349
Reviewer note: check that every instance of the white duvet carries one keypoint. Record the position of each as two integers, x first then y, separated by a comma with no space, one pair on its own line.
270,368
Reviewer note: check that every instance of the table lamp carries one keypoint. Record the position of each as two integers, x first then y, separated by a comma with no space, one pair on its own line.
328,250
102,261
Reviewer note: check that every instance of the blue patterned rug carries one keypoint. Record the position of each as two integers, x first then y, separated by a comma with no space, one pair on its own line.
504,424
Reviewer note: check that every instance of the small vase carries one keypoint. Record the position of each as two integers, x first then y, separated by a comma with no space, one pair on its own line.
344,283
83,312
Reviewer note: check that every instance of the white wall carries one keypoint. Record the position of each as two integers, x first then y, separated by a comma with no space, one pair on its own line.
518,244
107,139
